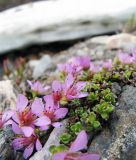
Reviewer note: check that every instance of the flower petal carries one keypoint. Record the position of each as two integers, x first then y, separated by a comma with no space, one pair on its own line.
16,118
59,156
80,85
44,128
28,131
22,102
61,113
7,115
82,95
28,151
16,129
37,107
42,121
49,102
90,156
18,143
30,83
56,124
56,86
38,145
80,142
69,81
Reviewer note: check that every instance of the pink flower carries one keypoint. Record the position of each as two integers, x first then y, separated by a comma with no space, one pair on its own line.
134,55
125,58
38,88
50,113
68,90
94,68
107,64
73,153
27,144
5,118
68,68
25,118
82,61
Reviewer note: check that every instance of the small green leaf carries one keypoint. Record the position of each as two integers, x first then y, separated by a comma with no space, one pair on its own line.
65,138
105,116
96,124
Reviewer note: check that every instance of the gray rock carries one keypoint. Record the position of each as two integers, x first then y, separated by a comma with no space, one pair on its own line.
7,95
50,21
116,89
44,154
39,67
118,142
120,41
127,100
6,150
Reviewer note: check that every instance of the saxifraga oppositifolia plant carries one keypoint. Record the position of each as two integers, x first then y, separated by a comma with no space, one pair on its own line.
82,94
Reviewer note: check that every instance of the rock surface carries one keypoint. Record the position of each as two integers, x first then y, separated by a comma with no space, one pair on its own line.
5,149
39,67
7,95
118,141
50,21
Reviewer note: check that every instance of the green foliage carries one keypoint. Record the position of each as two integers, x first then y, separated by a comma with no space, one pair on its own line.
97,78
91,119
75,102
93,96
76,128
127,74
56,149
116,76
104,109
65,138
79,111
108,96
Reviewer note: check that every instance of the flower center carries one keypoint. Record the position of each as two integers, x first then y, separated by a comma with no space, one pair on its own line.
28,140
57,96
49,114
26,117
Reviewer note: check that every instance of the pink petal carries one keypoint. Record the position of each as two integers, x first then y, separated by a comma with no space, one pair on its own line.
61,113
36,86
38,145
80,85
18,143
30,83
28,131
42,121
82,94
16,129
28,151
44,128
8,122
69,81
80,142
88,156
37,107
56,86
56,124
47,88
7,115
16,118
49,102
22,102
59,156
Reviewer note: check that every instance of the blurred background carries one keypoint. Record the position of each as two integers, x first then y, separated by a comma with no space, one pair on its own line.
44,33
